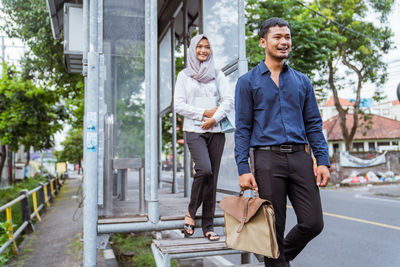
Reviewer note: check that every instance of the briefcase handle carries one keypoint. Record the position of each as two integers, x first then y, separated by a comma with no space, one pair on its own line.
255,192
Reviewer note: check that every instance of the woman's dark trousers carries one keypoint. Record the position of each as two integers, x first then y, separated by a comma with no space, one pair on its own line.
280,175
206,150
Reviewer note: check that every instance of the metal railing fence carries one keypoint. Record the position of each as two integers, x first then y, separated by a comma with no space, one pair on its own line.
41,196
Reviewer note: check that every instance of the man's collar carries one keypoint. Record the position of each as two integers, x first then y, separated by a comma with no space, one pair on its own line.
264,69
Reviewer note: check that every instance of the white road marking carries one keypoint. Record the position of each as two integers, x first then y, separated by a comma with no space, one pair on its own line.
358,220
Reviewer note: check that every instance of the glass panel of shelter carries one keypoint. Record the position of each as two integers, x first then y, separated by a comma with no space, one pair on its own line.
124,101
220,22
124,59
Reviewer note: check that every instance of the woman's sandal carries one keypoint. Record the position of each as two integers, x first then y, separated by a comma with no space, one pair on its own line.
188,227
212,236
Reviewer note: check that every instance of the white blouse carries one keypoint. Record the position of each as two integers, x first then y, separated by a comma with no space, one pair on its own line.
187,89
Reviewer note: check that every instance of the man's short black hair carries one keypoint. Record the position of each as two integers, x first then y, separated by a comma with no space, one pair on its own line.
271,23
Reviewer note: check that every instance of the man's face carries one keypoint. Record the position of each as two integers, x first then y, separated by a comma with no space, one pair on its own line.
277,42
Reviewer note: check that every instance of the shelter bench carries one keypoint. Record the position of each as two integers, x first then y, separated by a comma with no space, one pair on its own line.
164,250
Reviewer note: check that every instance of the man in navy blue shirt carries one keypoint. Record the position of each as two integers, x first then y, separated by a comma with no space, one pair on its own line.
277,116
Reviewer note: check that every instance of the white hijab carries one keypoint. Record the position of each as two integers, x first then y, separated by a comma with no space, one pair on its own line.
204,71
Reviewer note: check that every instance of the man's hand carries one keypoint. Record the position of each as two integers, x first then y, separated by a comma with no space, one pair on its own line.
208,123
323,175
208,113
247,181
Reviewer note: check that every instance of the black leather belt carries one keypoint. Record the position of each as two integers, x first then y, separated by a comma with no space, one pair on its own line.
282,148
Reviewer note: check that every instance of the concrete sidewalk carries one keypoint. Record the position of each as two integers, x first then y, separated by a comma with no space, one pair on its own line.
57,239
392,190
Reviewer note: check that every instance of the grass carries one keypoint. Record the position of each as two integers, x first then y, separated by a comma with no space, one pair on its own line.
134,250
8,194
75,247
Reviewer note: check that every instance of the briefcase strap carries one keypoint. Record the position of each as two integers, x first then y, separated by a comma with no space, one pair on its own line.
244,217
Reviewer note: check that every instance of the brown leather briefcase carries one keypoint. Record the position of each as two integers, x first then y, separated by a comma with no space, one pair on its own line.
250,225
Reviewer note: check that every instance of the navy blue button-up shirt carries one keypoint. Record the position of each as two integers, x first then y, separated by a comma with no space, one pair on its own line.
270,115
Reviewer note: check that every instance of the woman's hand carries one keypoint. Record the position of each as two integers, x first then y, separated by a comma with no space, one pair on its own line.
208,123
209,112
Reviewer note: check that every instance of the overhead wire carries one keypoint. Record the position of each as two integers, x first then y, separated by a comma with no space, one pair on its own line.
337,23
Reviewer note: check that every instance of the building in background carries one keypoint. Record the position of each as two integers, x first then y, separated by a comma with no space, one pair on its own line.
377,134
389,109
328,109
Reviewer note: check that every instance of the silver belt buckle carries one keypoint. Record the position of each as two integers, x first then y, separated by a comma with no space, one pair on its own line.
286,148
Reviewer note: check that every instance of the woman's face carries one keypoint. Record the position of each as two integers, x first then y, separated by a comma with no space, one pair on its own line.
203,50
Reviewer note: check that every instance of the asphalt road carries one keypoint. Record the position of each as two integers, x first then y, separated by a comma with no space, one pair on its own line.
361,230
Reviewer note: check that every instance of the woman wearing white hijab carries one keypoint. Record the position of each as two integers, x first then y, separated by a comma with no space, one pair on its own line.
198,89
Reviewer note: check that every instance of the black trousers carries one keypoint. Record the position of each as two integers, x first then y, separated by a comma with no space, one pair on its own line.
206,151
280,175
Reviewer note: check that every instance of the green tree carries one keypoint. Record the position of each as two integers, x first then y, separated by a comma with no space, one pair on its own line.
30,22
29,114
309,39
73,147
329,36
360,53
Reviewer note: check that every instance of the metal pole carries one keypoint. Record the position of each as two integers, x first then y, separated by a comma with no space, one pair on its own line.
174,178
201,24
186,153
160,130
115,182
141,191
91,127
119,177
159,158
149,226
108,170
101,78
151,127
242,64
124,184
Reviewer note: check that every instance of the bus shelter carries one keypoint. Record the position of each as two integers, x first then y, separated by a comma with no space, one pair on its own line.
128,52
